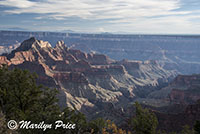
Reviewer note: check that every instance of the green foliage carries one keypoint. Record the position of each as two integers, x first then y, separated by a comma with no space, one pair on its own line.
187,130
197,127
19,93
172,133
161,132
77,118
198,101
111,128
97,125
145,122
22,99
3,125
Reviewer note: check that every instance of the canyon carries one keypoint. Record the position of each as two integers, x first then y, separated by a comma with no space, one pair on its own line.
103,75
86,80
172,52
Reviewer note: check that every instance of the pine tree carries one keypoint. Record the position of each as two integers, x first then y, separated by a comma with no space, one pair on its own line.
144,122
22,99
3,125
197,127
187,130
19,93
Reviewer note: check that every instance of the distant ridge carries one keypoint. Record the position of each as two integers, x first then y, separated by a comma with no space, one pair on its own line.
169,50
87,80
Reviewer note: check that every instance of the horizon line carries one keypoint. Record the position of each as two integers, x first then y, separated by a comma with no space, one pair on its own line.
103,33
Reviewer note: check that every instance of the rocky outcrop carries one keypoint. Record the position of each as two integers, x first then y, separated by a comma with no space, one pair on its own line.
4,60
70,77
175,122
184,97
172,52
85,80
184,89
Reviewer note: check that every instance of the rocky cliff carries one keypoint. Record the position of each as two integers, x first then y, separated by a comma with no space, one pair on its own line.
87,81
184,89
175,122
172,52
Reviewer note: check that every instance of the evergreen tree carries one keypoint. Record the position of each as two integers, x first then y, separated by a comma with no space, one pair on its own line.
3,125
144,122
187,130
111,128
22,99
19,93
96,126
197,127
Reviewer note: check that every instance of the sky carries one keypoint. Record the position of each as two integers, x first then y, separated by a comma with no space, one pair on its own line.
99,16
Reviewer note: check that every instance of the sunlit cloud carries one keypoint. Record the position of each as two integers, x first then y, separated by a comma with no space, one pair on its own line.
17,3
94,9
119,13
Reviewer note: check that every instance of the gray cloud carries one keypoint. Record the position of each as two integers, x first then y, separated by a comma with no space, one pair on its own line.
94,9
135,14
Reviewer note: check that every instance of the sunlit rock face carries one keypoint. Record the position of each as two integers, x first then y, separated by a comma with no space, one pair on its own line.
172,52
86,80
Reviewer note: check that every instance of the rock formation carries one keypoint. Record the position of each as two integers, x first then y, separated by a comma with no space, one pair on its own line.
175,122
184,89
172,52
86,80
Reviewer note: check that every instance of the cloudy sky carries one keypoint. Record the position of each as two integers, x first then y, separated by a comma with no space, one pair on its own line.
125,16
